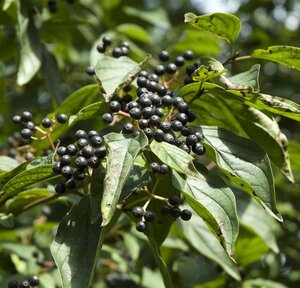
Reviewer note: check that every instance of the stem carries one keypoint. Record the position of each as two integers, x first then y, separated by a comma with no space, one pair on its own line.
50,141
123,113
210,166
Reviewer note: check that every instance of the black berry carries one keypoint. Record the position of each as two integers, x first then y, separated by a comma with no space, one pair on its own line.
159,70
106,40
90,70
56,167
164,56
115,106
191,140
80,134
174,200
176,125
70,183
88,151
164,169
128,128
135,113
65,160
34,280
92,133
138,211
141,226
81,162
179,61
61,118
94,162
155,167
26,133
13,284
188,55
186,215
96,141
26,116
60,188
72,150
62,150
82,142
117,52
100,152
17,119
67,171
175,212
149,216
165,209
107,117
198,149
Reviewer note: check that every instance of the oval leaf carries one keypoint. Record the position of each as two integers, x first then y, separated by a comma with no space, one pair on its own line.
245,163
222,25
122,150
7,163
285,55
214,202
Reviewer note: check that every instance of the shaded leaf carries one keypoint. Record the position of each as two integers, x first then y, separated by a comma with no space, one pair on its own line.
7,220
285,55
7,163
122,150
135,32
201,238
222,25
258,283
214,202
245,163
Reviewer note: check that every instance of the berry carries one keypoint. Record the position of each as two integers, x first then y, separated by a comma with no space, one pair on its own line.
167,100
107,118
186,215
199,149
94,162
169,138
128,128
155,167
26,133
185,148
161,90
136,133
34,280
56,167
61,118
155,99
117,52
125,51
186,130
65,160
62,150
92,133
106,40
13,284
165,209
176,125
100,152
152,86
147,112
164,169
60,188
148,131
142,81
26,116
177,141
47,123
135,113
101,48
188,55
179,61
175,212
159,135
144,100
199,135
25,284
88,151
30,125
90,70
191,140
143,73
17,119
78,175
81,162
174,200
165,126
171,68
191,115
159,70
133,104
143,123
187,80
153,77
70,183
164,56
149,216
159,112
67,171
190,69
182,106
125,44
96,141
138,211
115,106
82,142
141,90
154,120
182,117
141,226
80,134
176,101
127,88
71,150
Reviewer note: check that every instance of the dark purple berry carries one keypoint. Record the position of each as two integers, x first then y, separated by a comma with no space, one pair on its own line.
82,142
70,183
199,149
143,73
152,86
78,175
169,138
179,61
61,150
182,117
30,125
159,135
61,118
60,188
159,112
185,148
155,167
26,116
17,119
186,130
166,100
117,52
115,106
191,140
87,151
188,55
138,211
147,112
96,141
164,169
165,126
106,40
155,120
26,133
80,134
34,280
165,209
65,160
156,101
107,118
164,56
94,162
128,128
159,70
125,44
67,171
135,113
72,150
149,216
144,100
199,135
142,81
92,133
176,125
175,212
143,123
141,226
90,70
186,215
191,115
101,48
100,152
182,107
56,167
81,162
174,200
171,68
148,131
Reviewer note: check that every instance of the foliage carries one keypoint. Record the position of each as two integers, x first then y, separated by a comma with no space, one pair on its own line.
225,184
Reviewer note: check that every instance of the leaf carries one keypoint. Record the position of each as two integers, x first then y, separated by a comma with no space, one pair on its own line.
214,202
259,101
135,32
259,283
30,50
174,157
26,179
245,163
222,25
201,238
285,55
248,79
77,242
7,220
115,72
7,4
122,150
249,212
7,163
211,68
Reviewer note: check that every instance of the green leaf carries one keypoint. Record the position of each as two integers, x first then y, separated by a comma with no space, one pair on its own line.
7,163
30,50
248,79
245,163
10,174
115,72
201,238
7,220
25,179
24,198
259,283
77,241
211,68
222,25
122,150
214,202
259,101
285,55
174,157
135,32
249,211
7,4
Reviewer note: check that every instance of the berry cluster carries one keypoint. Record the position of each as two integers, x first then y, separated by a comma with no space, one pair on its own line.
159,168
146,216
75,159
173,209
32,282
